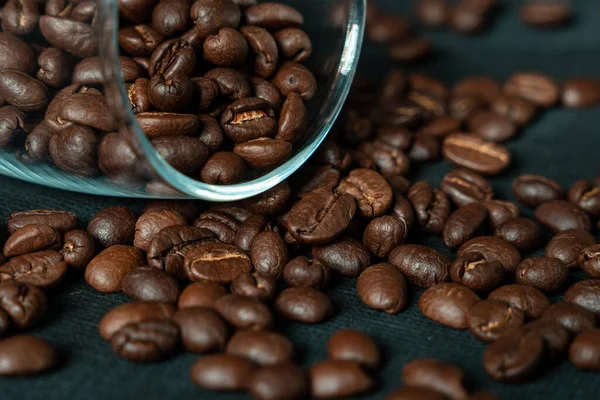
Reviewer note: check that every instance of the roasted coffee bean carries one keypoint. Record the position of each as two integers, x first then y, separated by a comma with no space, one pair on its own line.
270,202
255,285
523,233
248,230
491,126
421,265
150,284
471,151
483,87
273,16
294,44
12,128
134,11
465,106
62,221
572,317
11,45
244,312
54,67
283,381
524,297
25,303
383,287
428,373
117,159
223,168
231,83
312,177
514,357
561,215
247,119
134,312
567,245
490,319
262,348
202,330
78,248
533,190
107,270
329,153
440,127
139,40
23,91
464,187
24,355
346,256
206,93
88,110
217,262
584,352
499,212
473,271
447,304
320,216
42,268
544,14
338,378
223,226
4,323
304,272
264,153
266,54
517,109
493,249
74,149
556,337
463,224
370,190
295,78
292,120
536,87
432,206
158,124
227,48
586,195
172,17
353,345
74,37
89,71
389,160
146,341
585,294
411,50
588,260
303,304
580,92
222,372
186,208
383,234
152,222
413,393
212,133
31,238
113,225
185,154
201,294
210,16
170,95
172,57
37,143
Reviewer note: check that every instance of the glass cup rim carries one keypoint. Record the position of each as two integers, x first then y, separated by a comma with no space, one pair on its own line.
329,111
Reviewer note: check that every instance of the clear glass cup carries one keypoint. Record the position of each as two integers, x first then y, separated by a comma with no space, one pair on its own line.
336,29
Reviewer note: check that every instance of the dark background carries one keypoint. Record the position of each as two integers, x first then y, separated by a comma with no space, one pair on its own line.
561,144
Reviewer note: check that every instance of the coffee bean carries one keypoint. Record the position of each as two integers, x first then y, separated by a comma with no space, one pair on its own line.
158,124
428,373
146,341
255,285
62,221
273,16
12,127
544,14
295,78
584,352
89,71
31,238
523,297
484,87
248,230
346,256
432,206
580,92
150,284
589,260
493,249
383,234
202,330
74,149
372,193
43,268
561,215
244,312
303,304
247,119
170,95
464,187
412,393
26,304
262,348
499,212
572,317
463,224
172,57
11,45
23,91
491,126
283,381
294,44
514,357
465,106
117,159
152,222
473,271
517,109
533,190
201,294
388,159
171,17
78,249
473,152
585,294
586,195
223,226
131,313
448,304
139,40
264,153
223,168
266,54
556,337
185,154
222,372
523,233
421,265
353,345
24,355
216,262
113,225
107,270
4,323
383,287
89,110
304,272
270,202
567,245
536,87
440,127
490,319
54,67
338,378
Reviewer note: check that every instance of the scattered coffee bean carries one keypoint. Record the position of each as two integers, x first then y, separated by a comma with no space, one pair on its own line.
500,211
431,206
589,260
31,238
472,152
580,92
584,352
490,319
383,287
514,357
262,348
346,256
473,271
150,284
493,249
561,215
491,126
338,378
217,262
113,225
354,345
222,372
567,245
78,248
244,313
304,272
523,297
201,294
26,304
464,187
533,190
282,381
586,195
538,88
62,221
545,273
463,224
448,304
523,233
269,254
43,268
255,285
202,330
303,304
24,355
146,341
432,374
544,14
107,270
421,265
585,294
572,317
130,313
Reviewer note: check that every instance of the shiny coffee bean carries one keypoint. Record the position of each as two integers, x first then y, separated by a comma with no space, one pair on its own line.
570,316
500,211
338,378
152,222
222,372
490,319
273,16
25,355
146,341
561,215
464,187
586,195
262,348
538,88
223,168
303,304
383,287
493,249
585,294
255,285
584,352
421,265
491,126
567,245
170,95
473,271
517,109
472,152
150,284
128,313
428,373
589,260
524,297
353,345
31,238
580,92
78,248
217,262
201,294
62,221
43,268
74,149
244,312
278,382
266,54
304,272
514,357
107,270
384,233
432,206
202,330
533,190
545,14
463,224
25,303
113,225
372,193
521,232
448,304
346,256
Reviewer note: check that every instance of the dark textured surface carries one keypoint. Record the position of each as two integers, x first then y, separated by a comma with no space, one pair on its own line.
561,144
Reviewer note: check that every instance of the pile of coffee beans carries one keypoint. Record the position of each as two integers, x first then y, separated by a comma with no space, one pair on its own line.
212,279
217,86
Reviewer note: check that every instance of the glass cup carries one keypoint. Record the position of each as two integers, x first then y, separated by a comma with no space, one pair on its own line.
336,29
